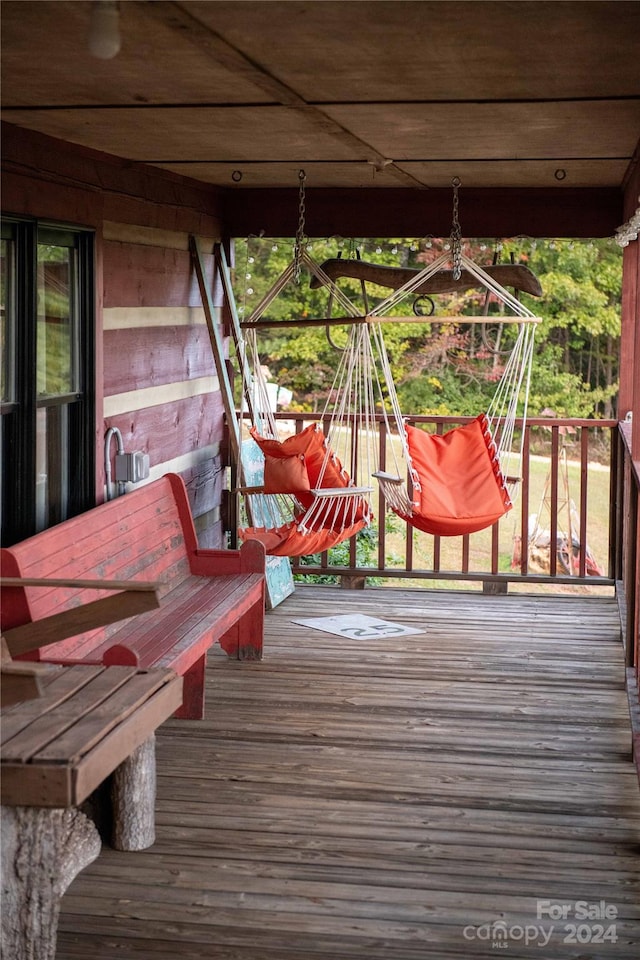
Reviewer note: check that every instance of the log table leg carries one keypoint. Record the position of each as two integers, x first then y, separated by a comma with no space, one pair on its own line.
133,799
43,850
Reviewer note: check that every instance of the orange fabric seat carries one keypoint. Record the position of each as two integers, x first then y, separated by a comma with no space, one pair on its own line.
458,484
308,447
296,466
289,541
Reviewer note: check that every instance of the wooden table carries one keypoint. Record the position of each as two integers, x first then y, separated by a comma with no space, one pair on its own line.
90,722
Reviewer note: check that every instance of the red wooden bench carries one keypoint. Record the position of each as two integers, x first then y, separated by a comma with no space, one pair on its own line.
206,596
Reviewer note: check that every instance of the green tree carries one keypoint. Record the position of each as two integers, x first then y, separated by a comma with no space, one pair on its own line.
452,368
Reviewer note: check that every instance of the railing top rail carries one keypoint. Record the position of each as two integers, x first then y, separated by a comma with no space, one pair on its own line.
428,418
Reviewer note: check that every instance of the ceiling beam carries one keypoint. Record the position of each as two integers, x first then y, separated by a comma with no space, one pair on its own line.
391,212
174,16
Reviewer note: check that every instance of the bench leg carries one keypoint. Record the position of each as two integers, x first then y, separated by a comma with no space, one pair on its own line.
230,641
133,799
251,634
193,692
43,850
244,640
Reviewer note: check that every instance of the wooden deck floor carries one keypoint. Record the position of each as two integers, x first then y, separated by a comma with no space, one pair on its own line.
451,794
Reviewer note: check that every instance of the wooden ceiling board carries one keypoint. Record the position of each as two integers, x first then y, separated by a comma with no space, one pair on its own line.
559,173
192,133
399,50
154,65
357,174
588,129
353,174
450,133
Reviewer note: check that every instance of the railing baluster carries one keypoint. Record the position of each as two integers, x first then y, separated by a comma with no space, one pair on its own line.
436,554
382,533
408,549
553,506
495,552
524,505
584,474
616,502
465,553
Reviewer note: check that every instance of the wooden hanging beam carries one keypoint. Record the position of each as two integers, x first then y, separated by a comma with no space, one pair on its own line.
455,318
302,322
397,212
515,275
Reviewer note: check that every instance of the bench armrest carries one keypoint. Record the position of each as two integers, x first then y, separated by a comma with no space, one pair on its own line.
250,558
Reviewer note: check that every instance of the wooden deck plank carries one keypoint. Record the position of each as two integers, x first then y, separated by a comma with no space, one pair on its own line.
375,800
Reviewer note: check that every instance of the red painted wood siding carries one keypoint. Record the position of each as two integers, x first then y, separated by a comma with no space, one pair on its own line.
151,356
145,276
170,430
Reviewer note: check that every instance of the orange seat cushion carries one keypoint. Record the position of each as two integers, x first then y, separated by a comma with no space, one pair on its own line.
460,487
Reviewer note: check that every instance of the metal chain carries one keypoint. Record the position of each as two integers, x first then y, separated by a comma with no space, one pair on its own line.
456,234
299,246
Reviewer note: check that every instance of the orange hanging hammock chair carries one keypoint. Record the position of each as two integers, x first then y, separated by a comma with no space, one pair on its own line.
458,484
463,481
327,507
307,501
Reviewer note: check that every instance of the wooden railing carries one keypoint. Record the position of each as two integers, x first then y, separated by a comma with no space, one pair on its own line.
571,476
626,542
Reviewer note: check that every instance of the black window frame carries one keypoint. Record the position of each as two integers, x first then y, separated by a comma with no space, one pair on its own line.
19,519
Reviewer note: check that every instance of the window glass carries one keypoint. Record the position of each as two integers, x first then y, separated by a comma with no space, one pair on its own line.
52,465
56,353
6,321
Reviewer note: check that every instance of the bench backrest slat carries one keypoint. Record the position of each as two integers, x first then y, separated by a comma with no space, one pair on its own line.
144,535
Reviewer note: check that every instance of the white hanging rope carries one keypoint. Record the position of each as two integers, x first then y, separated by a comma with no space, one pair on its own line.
513,388
393,485
286,277
272,294
503,295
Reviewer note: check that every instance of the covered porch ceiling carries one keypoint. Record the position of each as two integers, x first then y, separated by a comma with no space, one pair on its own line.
535,106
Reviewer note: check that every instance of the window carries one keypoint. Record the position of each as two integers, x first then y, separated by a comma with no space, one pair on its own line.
48,451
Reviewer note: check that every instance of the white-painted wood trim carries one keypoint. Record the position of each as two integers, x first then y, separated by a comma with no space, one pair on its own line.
184,462
123,318
180,465
155,396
